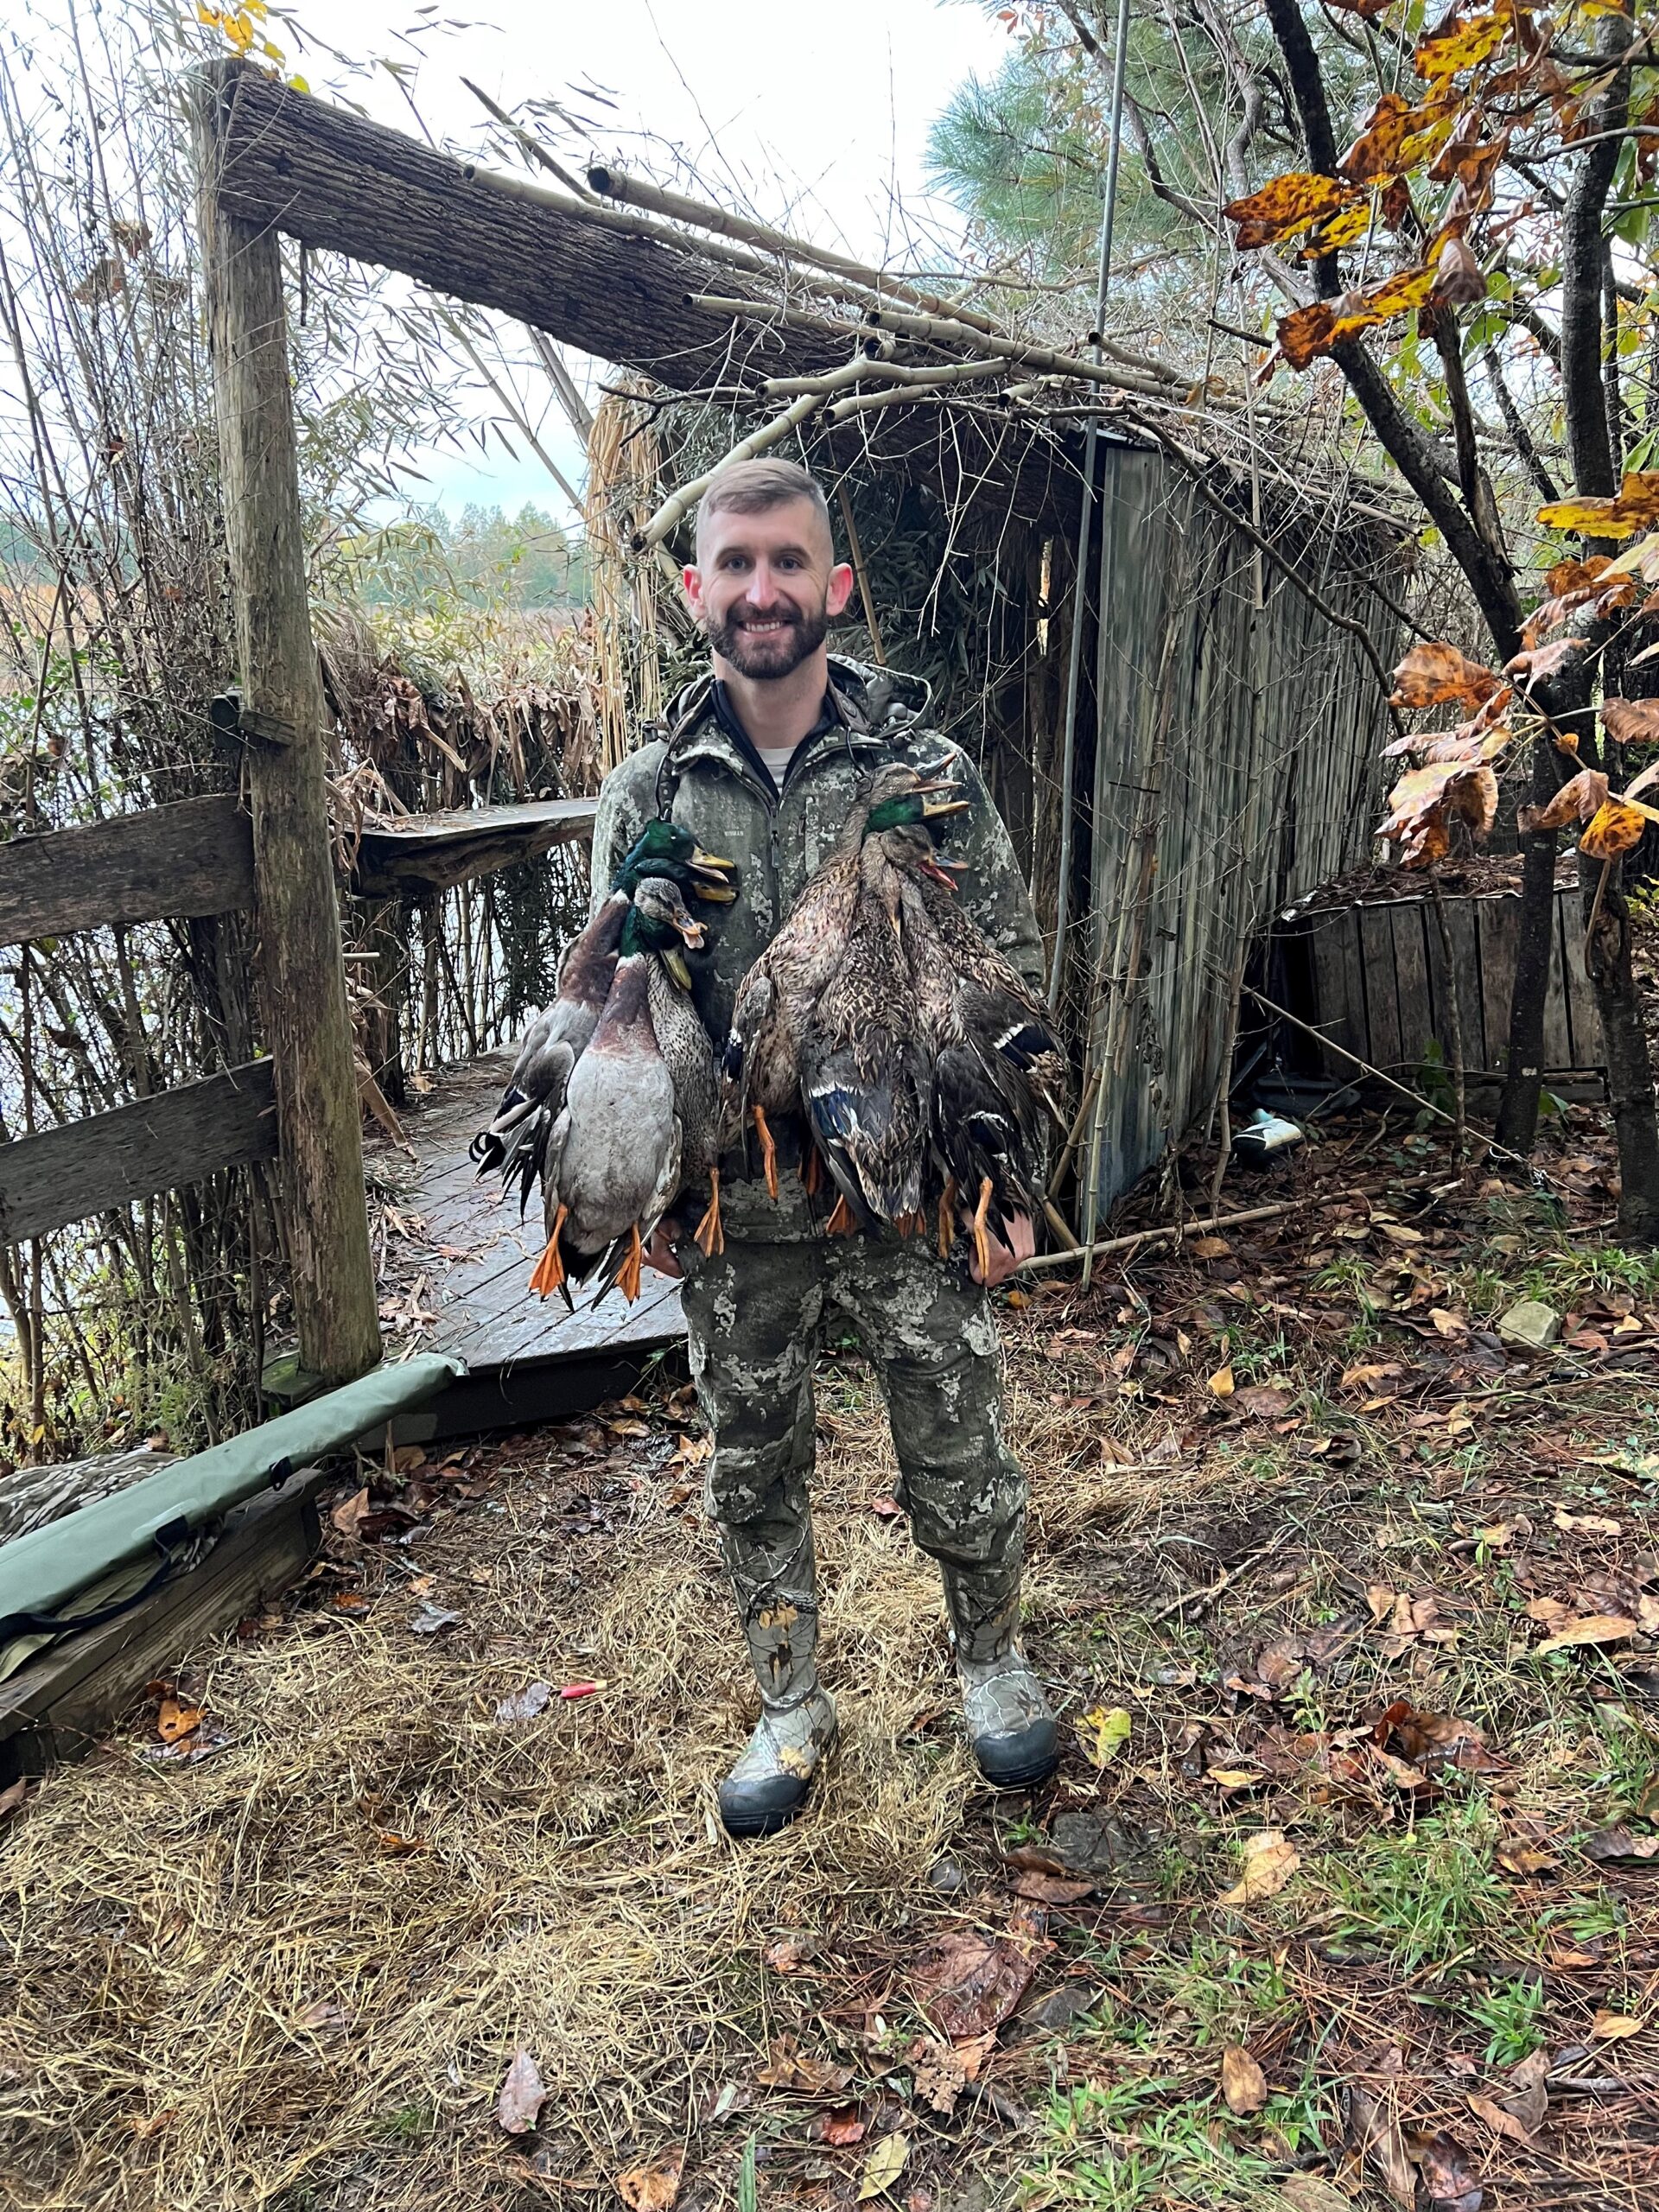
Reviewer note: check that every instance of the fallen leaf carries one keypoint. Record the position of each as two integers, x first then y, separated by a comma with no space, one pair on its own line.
1210,1247
1447,2175
394,1846
1307,2193
1618,1847
1614,2027
1242,2082
1269,1862
350,1510
525,1704
789,2067
842,2127
1262,1401
1050,1889
1103,1734
1221,1383
175,1721
432,1620
1588,1525
523,2095
1501,2122
1550,1611
1447,1323
1594,1628
652,2188
322,2017
968,1983
883,2166
13,1795
1373,2132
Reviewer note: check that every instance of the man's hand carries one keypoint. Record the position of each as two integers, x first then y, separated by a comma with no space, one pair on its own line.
659,1253
1006,1258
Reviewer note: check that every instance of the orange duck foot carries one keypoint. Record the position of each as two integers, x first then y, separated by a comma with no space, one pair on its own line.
627,1275
981,1240
842,1221
709,1235
768,1151
947,1207
550,1269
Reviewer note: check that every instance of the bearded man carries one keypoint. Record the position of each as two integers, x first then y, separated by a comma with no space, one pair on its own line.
761,761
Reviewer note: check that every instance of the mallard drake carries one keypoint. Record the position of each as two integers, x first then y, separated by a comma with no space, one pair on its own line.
689,1057
997,1065
612,1159
560,1034
760,1070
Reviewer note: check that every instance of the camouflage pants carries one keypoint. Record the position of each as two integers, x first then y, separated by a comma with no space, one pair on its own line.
755,1318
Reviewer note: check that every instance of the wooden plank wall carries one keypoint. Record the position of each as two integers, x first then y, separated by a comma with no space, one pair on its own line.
1271,777
1381,985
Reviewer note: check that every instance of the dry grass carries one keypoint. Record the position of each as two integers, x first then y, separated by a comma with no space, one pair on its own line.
232,1985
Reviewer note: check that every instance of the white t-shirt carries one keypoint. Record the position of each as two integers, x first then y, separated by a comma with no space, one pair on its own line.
776,758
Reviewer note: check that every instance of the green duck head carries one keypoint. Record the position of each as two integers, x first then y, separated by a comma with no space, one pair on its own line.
660,922
909,798
663,849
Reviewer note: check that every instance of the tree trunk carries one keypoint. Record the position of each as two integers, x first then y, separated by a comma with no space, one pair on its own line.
1630,1071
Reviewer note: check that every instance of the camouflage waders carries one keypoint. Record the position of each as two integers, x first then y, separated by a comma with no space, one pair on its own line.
755,1317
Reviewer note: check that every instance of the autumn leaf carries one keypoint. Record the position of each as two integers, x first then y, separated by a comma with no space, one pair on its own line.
788,2067
1374,154
1459,280
1635,508
1269,1862
1306,332
1577,800
1433,674
523,2095
1614,2027
842,2128
1426,800
967,1984
1614,829
652,2188
1593,1627
882,2167
1460,45
1542,660
1397,295
1242,2082
1221,1383
1630,721
1289,204
1103,1733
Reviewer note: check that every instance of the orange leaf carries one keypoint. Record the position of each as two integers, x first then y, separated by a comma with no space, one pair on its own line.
1636,507
1542,660
1285,205
1374,154
175,1721
652,2188
1614,829
1242,2082
1462,45
1630,721
1431,674
1304,333
1576,801
1425,800
1574,577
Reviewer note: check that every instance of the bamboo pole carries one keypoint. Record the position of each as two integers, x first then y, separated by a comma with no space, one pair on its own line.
301,973
1175,1232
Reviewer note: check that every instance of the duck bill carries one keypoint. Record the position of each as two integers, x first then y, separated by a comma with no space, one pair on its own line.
674,961
934,810
693,932
937,874
709,873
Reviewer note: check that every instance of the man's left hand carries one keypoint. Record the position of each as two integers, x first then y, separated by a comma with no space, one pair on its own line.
1006,1258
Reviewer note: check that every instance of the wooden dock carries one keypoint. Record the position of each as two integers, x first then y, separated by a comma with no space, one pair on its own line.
454,1260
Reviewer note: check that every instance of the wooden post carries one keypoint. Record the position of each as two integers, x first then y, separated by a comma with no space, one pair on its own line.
301,976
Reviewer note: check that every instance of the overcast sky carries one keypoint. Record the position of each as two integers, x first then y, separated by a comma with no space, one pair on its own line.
816,118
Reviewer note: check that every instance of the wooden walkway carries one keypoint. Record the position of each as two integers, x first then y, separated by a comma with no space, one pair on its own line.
454,1260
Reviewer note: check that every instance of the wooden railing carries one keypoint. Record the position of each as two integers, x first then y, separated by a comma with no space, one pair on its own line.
193,858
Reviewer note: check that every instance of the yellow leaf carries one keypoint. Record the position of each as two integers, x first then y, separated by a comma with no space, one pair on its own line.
1613,2027
298,85
1613,829
1242,2082
1269,1862
1463,45
1104,1733
1285,206
883,2166
1221,1383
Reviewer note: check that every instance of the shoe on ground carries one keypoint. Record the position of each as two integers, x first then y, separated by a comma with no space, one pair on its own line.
1011,1730
770,1783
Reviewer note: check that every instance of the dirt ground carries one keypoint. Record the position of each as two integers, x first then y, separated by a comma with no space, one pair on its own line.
1347,1892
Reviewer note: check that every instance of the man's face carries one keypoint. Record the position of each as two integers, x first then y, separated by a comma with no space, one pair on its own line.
767,587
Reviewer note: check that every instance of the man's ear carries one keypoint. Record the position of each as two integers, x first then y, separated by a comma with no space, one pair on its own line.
691,582
841,589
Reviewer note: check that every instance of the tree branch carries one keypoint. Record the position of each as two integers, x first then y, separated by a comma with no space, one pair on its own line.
1520,435
1307,90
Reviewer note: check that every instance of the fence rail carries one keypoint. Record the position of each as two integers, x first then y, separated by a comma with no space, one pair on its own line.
194,857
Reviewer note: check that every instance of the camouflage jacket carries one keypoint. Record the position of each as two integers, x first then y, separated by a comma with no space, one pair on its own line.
703,778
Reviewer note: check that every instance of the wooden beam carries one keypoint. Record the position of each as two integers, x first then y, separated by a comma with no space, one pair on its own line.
302,975
322,173
65,1698
195,857
179,1136
419,852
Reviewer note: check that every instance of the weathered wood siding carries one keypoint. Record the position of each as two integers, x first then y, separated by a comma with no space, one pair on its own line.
1270,778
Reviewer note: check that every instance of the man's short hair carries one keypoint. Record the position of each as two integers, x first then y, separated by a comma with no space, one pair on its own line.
749,488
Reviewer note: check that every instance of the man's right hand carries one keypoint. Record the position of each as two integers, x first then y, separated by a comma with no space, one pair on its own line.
659,1253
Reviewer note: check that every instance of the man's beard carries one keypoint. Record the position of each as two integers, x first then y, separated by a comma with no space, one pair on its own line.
775,653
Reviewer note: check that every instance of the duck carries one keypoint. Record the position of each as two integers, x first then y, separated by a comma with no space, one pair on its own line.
760,1070
997,1066
611,1161
560,1034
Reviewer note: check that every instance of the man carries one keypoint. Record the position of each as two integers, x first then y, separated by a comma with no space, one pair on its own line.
761,762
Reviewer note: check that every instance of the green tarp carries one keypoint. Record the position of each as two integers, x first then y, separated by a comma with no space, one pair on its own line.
39,1571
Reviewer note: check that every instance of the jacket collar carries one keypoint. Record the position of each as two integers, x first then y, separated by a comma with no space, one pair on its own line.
698,731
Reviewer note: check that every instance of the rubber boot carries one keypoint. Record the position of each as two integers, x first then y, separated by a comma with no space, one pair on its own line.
797,1728
1011,1730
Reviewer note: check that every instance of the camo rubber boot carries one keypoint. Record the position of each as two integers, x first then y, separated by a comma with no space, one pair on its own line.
797,1728
1010,1727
